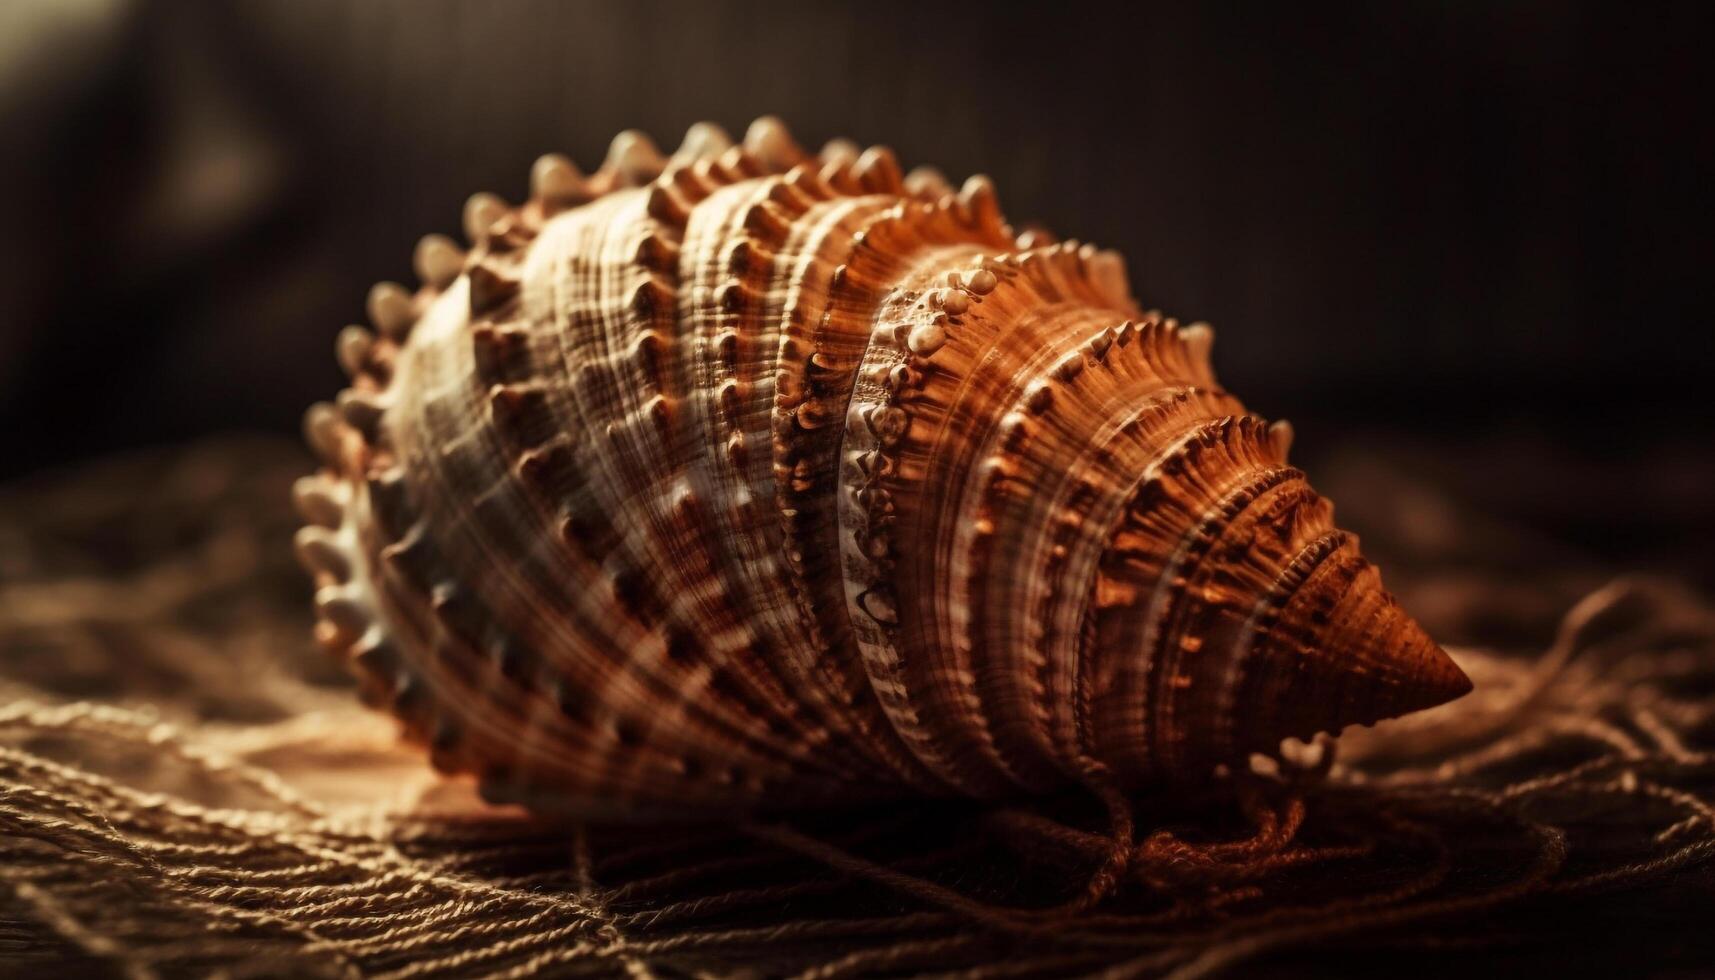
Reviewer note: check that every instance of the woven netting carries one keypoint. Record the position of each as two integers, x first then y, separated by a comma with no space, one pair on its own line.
188,788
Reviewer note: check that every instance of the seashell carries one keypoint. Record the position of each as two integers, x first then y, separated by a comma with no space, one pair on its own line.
744,477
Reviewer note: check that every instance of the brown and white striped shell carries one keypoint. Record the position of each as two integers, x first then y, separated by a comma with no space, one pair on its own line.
748,477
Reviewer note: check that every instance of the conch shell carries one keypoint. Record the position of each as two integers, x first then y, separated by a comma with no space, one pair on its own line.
748,477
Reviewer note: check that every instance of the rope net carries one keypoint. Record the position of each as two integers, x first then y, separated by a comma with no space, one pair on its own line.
186,788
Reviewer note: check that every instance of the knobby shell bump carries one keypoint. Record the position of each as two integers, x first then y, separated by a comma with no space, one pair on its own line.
748,477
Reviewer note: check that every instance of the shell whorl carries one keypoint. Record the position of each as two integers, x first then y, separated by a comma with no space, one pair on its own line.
748,476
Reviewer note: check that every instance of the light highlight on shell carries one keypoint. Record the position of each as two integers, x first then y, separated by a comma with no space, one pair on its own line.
749,477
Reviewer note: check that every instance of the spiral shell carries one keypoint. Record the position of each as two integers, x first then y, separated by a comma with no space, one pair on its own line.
748,477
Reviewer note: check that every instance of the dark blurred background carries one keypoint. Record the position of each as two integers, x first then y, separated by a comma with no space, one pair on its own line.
1475,237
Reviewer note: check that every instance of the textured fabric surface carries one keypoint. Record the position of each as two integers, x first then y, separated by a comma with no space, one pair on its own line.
187,787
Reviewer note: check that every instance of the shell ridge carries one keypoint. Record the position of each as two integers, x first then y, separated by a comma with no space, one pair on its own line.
1147,370
1199,589
430,465
1031,330
816,369
1174,509
1042,306
1133,580
736,311
876,427
646,451
813,433
1068,502
1068,611
762,737
720,299
1311,557
1203,612
1258,622
573,505
405,561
